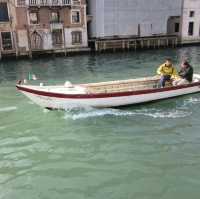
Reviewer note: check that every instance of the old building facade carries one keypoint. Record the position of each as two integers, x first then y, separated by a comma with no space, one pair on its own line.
134,17
43,25
116,19
57,25
8,35
29,26
190,21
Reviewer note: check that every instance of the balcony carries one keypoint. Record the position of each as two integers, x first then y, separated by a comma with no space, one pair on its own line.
39,3
76,2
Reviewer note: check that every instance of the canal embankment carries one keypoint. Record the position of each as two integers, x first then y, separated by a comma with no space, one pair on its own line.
103,45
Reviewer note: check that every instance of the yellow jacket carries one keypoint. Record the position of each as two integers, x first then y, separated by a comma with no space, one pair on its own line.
164,70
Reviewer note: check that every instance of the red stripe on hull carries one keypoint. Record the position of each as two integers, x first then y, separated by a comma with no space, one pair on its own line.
104,95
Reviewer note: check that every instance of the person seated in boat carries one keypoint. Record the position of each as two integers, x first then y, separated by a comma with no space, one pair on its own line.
167,72
185,74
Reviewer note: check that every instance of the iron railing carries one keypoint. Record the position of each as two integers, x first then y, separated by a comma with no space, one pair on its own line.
50,2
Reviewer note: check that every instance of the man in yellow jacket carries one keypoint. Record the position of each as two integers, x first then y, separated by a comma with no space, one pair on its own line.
167,72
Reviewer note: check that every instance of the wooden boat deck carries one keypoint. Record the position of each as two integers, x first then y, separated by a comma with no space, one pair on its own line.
123,85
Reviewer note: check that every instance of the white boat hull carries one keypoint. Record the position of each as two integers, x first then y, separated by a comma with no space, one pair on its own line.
48,100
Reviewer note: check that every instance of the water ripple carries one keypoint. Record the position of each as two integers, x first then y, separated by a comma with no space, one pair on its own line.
7,109
192,101
148,151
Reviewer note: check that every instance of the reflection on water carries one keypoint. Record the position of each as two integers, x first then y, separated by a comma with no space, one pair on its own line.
144,151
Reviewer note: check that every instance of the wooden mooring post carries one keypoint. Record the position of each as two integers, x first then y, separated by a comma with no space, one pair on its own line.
123,45
128,45
148,43
167,42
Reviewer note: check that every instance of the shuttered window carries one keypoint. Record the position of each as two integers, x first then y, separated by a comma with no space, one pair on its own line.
76,37
55,16
3,12
34,19
57,37
191,28
76,17
6,41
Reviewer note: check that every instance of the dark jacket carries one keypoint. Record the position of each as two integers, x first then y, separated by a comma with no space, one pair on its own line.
187,73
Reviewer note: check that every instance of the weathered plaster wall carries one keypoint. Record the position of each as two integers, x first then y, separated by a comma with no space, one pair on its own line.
131,17
191,5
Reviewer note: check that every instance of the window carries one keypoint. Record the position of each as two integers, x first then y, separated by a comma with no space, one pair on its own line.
176,27
75,16
192,13
191,28
36,40
3,12
55,16
34,17
57,37
76,37
6,41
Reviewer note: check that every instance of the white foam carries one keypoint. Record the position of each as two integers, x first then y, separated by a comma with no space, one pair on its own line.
169,114
46,111
192,100
153,113
30,102
6,109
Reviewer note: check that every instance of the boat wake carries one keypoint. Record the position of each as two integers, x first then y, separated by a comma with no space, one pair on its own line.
183,109
192,100
147,112
7,109
178,109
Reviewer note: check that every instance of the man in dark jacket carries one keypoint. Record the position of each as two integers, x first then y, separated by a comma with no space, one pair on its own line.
186,74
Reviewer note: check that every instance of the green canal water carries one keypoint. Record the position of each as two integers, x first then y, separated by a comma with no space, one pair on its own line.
149,151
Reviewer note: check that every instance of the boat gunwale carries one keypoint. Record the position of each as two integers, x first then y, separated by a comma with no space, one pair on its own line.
104,95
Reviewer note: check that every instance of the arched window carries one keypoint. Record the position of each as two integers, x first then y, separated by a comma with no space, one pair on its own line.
36,40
